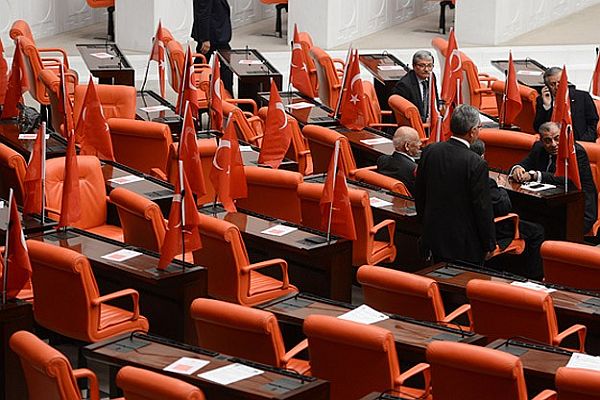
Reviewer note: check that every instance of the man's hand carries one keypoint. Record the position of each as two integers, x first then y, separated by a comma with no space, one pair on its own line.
520,175
205,47
488,255
546,97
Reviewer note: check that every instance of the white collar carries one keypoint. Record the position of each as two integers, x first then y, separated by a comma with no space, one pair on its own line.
463,141
406,155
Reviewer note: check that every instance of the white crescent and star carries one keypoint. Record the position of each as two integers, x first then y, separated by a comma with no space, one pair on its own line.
223,144
279,106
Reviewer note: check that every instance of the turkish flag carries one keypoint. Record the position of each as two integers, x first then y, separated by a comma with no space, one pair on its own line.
511,104
18,265
92,130
278,133
335,201
299,77
187,89
35,174
64,106
595,89
227,172
3,74
188,153
452,77
158,54
183,221
17,85
353,107
70,208
216,102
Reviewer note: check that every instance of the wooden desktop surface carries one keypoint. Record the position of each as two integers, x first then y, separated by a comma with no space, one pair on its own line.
113,70
56,145
366,155
149,98
318,114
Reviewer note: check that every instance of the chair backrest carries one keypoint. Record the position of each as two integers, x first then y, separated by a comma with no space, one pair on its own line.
329,82
503,148
321,141
118,101
373,107
91,188
440,45
141,219
51,82
266,185
577,384
33,65
307,43
238,330
401,293
467,372
470,82
310,196
21,28
12,169
383,181
500,310
571,264
141,145
140,384
48,372
175,57
593,152
524,119
362,247
206,149
407,114
248,130
356,359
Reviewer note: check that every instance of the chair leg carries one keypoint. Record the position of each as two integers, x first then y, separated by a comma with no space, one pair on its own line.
278,8
111,24
443,5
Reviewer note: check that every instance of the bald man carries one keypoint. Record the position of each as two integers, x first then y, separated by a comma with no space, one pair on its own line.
401,164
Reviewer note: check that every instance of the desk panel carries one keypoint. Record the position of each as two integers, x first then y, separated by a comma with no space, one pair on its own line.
146,101
107,63
314,113
56,145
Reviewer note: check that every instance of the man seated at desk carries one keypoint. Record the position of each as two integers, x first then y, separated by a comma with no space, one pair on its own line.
414,86
540,165
401,164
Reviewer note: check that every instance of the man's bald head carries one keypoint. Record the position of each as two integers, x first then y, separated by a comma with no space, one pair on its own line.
406,140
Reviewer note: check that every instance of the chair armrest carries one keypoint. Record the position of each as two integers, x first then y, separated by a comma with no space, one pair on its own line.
383,125
515,218
84,373
201,56
417,369
295,350
386,113
546,395
484,90
285,282
63,53
158,173
244,101
581,331
121,293
465,308
391,225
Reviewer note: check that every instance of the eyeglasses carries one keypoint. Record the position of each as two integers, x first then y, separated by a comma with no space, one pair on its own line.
424,66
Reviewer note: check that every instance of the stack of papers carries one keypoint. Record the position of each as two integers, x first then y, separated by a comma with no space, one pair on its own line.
122,180
300,105
389,67
379,203
364,315
533,286
376,141
230,374
121,255
186,365
585,361
279,230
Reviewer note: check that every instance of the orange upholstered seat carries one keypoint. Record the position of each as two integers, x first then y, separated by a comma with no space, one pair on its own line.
118,101
12,169
571,264
407,114
503,148
524,119
593,152
577,384
140,384
330,85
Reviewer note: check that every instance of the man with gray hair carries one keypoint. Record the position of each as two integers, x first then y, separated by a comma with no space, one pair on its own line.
452,195
583,110
414,86
401,164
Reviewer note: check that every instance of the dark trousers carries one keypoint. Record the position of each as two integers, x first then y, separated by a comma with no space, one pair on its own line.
533,234
226,74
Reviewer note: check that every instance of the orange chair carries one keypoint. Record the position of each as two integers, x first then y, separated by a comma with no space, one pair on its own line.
329,77
244,332
140,384
407,114
64,285
597,104
48,372
375,113
110,6
503,148
266,185
175,55
51,83
21,28
382,181
249,128
142,145
468,372
593,153
93,195
571,264
118,101
514,245
357,359
224,254
500,310
306,43
402,293
12,169
524,119
577,384
279,5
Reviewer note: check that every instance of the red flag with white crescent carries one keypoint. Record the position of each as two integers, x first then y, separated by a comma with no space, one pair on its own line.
187,88
189,154
353,106
452,77
216,101
17,85
3,74
278,133
299,77
19,266
35,174
158,54
511,106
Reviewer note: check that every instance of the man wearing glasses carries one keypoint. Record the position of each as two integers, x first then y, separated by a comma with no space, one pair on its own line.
414,86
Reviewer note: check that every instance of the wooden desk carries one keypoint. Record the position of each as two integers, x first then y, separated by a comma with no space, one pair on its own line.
30,224
156,353
253,70
529,72
319,268
387,70
15,316
56,145
165,296
411,336
366,155
572,306
112,70
147,99
560,213
317,114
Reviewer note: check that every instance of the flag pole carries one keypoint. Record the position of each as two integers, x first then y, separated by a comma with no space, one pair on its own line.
6,241
339,100
504,97
567,160
597,60
43,172
146,73
336,153
182,211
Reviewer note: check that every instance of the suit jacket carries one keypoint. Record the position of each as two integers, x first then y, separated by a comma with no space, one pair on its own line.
408,87
537,160
211,21
399,167
583,113
452,197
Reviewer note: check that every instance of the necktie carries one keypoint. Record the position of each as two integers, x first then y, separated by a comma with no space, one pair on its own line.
551,167
425,84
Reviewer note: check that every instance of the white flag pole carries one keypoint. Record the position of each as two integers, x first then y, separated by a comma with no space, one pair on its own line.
336,153
5,259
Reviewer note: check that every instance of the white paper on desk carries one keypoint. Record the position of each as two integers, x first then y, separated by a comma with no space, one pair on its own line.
123,180
230,374
250,62
533,286
279,230
152,109
376,141
246,148
536,187
529,72
378,203
389,67
186,365
1,203
121,255
101,55
299,106
364,315
30,136
585,361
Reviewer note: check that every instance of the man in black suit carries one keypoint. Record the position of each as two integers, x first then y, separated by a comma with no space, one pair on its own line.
540,165
401,164
452,195
414,86
583,110
212,31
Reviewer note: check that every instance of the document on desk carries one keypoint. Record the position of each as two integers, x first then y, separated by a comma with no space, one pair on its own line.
376,141
279,230
123,180
579,360
230,374
390,67
186,365
121,255
30,136
101,55
153,109
364,315
529,72
536,187
379,203
299,106
533,286
250,62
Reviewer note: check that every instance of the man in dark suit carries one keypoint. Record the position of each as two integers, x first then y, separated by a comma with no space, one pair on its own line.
401,164
212,31
452,195
583,110
540,165
414,86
